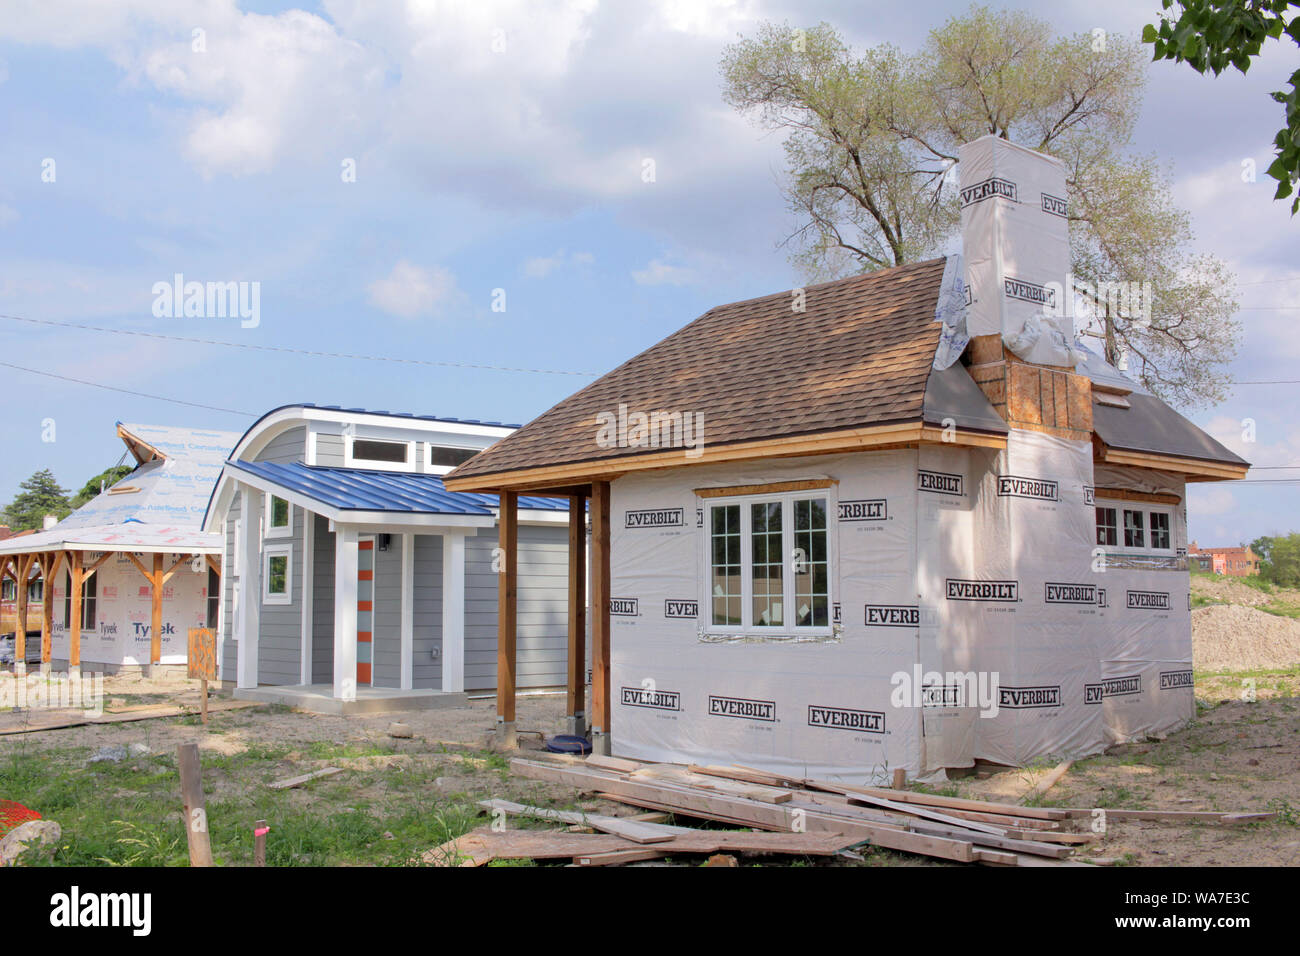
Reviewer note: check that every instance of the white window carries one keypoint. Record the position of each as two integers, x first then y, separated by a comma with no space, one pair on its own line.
1134,527
769,563
279,518
440,459
277,575
378,454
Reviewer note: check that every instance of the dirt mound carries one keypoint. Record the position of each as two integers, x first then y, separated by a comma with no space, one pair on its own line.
1233,638
1227,591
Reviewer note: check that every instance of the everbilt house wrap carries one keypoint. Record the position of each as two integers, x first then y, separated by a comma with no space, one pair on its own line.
927,526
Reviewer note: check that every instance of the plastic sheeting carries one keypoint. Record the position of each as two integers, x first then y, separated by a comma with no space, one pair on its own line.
974,565
1016,247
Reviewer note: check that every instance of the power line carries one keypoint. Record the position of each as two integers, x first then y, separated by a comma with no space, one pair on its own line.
280,348
126,391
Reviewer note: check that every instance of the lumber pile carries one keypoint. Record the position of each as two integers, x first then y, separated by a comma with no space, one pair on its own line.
780,814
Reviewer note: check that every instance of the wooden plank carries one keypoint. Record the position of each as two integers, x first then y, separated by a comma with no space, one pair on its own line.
156,598
619,857
771,488
292,782
617,764
144,713
1177,816
600,597
716,805
1051,780
627,829
933,800
74,625
576,664
676,774
999,857
507,609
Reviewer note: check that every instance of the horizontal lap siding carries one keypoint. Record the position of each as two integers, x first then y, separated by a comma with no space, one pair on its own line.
322,621
543,608
229,649
387,616
287,448
427,617
279,650
329,450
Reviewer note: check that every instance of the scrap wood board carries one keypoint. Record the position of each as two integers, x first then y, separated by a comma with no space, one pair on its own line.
485,844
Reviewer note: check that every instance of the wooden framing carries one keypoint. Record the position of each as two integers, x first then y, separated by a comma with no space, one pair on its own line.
600,554
575,685
1123,494
1194,469
875,437
772,488
507,617
74,613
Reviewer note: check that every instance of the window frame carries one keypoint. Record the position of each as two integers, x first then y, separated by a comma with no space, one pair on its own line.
277,551
274,530
430,448
789,584
1146,509
5,586
366,464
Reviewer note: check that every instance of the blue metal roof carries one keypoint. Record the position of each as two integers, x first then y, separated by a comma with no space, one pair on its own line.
352,489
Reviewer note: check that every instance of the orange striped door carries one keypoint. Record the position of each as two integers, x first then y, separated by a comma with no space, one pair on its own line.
365,609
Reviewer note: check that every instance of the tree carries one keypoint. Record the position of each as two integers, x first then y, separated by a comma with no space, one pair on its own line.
1282,564
38,496
105,479
1214,34
872,143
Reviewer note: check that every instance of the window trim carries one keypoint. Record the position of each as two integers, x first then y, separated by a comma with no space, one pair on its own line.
1146,509
277,551
276,531
366,464
5,585
747,628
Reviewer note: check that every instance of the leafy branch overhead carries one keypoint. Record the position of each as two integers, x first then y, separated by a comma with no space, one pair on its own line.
871,150
1215,34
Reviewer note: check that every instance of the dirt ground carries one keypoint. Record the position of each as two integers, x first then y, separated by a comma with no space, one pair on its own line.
408,795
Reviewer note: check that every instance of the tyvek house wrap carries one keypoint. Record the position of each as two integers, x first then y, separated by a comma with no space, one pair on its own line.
945,560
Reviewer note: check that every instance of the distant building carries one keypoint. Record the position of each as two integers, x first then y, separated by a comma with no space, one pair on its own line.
1233,562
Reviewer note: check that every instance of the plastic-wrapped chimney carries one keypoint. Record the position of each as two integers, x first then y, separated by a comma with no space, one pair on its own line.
1016,250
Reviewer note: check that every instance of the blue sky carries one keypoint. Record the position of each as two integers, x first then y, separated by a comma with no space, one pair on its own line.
479,170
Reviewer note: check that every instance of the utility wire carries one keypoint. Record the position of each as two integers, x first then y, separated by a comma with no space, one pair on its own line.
280,348
126,391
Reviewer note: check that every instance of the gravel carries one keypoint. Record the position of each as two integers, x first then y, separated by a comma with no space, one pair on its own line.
1230,637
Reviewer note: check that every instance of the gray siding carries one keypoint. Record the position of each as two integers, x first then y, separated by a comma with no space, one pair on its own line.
387,635
329,450
229,582
279,649
322,622
287,448
427,669
543,608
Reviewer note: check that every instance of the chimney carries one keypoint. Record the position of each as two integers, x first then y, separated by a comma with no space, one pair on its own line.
1016,256
50,522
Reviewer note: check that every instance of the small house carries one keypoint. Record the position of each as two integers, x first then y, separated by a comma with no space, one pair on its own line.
357,582
903,520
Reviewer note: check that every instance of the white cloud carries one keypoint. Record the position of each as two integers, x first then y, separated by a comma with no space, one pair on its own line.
410,291
540,267
1210,500
8,214
662,272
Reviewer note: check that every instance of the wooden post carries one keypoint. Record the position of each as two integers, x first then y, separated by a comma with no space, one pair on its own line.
155,630
576,685
50,563
507,595
24,565
74,625
600,703
196,814
260,829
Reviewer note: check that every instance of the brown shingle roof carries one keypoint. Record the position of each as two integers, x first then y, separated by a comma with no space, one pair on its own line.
859,355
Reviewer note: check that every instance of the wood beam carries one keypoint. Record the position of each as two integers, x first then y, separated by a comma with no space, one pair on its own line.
155,596
138,566
50,565
507,598
214,562
24,563
1124,494
771,488
166,576
74,625
88,571
875,437
575,686
600,702
1194,469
